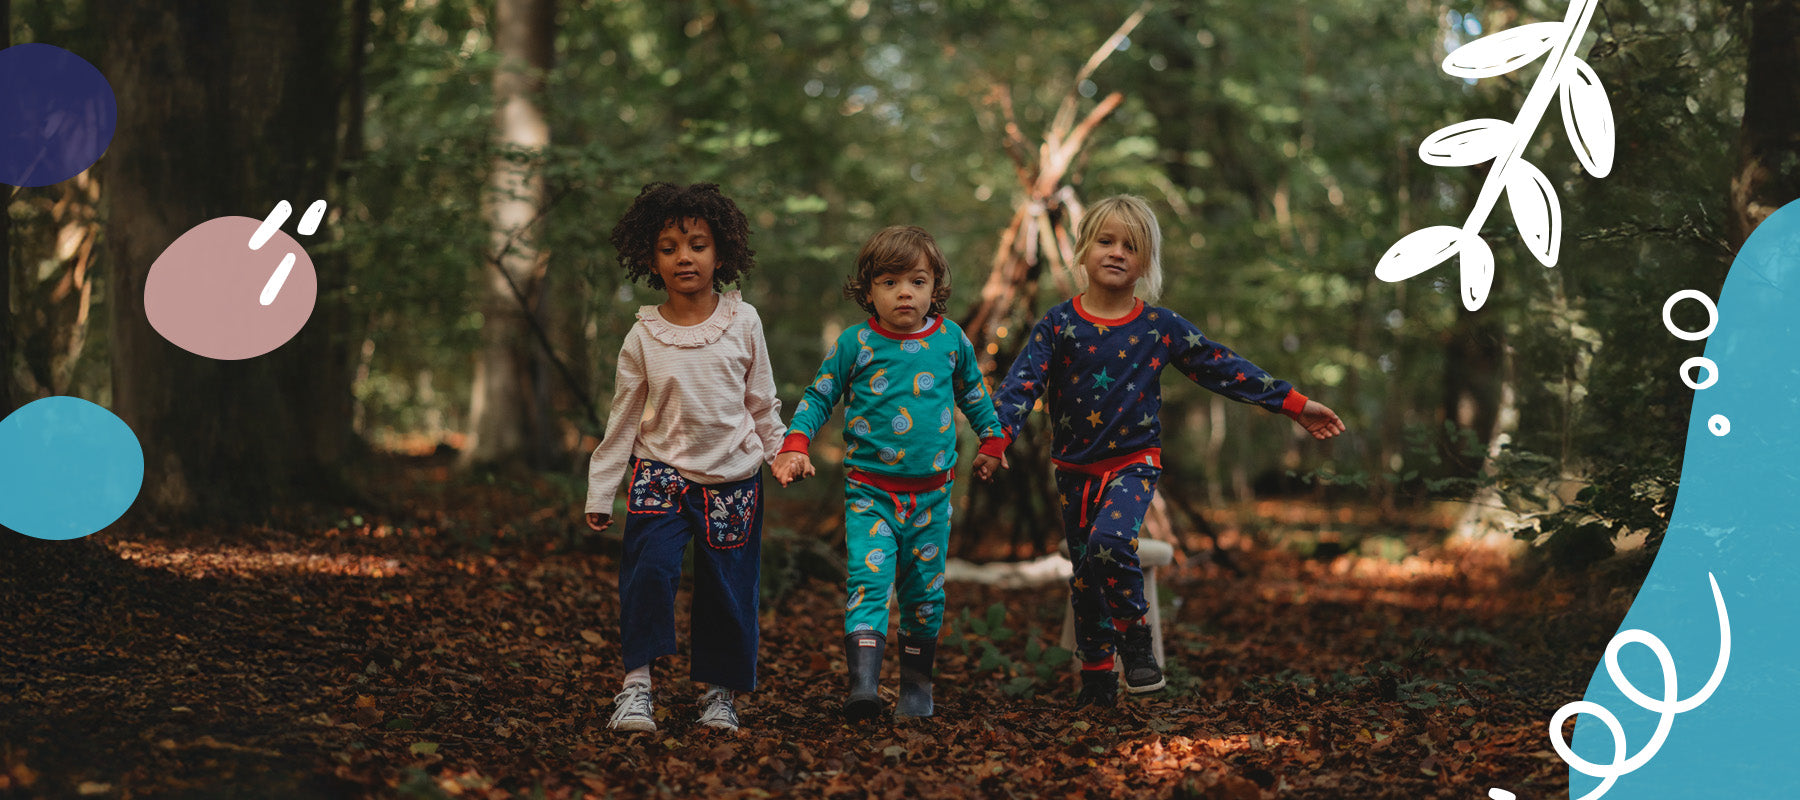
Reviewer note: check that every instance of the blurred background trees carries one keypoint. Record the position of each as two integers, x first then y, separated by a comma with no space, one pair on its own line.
469,300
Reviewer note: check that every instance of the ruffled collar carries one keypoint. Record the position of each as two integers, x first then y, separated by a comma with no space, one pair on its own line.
697,335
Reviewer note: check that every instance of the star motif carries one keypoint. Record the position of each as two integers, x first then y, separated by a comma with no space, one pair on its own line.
1117,483
1068,332
1094,419
1155,363
1112,444
1105,555
1029,385
1021,408
1080,585
1152,316
1121,353
1091,349
1193,339
1147,421
1134,339
1134,544
1131,387
1103,380
1268,382
1102,329
1112,581
1124,431
1240,377
1062,422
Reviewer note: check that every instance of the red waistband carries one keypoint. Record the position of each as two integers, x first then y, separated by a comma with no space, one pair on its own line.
899,483
1148,455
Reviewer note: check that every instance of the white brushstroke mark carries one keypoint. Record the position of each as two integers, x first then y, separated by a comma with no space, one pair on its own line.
309,223
273,287
270,225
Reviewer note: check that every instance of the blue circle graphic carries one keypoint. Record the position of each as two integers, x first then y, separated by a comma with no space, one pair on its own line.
67,468
57,114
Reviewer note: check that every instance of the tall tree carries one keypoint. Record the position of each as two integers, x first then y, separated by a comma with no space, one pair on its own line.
224,108
1768,148
509,407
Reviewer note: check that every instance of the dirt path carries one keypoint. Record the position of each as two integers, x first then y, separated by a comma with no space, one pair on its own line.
384,661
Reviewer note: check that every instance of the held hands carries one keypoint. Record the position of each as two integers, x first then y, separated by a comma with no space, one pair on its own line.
598,521
985,465
1321,422
792,466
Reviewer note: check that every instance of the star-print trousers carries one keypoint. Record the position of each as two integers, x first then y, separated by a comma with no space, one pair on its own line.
896,543
1101,516
665,512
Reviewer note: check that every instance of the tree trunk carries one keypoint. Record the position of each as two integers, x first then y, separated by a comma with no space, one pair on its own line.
509,417
1768,148
224,108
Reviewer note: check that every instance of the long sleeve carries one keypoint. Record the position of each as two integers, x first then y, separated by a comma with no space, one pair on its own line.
822,395
1023,384
606,467
972,394
1215,367
759,395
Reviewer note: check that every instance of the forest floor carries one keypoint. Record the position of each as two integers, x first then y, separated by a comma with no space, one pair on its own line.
415,653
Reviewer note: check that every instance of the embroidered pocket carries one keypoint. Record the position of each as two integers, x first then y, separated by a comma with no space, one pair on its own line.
656,488
731,513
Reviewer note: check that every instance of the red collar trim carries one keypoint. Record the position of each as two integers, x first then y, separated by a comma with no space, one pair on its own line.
929,329
1137,306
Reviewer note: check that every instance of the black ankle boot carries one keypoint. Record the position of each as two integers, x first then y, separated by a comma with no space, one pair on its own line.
862,654
1099,688
916,659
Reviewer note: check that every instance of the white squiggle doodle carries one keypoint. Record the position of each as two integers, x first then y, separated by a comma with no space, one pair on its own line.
1667,707
1587,116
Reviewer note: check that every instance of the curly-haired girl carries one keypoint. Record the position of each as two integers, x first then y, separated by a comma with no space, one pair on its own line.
694,417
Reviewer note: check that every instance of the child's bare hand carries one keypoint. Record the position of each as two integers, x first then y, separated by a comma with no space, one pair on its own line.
985,465
1321,422
599,522
791,467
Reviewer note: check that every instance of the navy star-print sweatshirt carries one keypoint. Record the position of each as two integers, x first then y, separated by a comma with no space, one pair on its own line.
1103,376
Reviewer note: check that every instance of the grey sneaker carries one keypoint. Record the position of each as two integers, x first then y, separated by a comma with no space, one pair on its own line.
632,709
717,709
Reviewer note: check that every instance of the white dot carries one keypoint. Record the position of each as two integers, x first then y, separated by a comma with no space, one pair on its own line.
1501,794
1719,425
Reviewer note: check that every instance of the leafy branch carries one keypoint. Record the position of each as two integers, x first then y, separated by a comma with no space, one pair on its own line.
1587,116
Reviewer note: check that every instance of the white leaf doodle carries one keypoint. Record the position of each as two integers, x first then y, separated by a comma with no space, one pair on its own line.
1466,144
1419,251
1503,52
1535,210
1588,118
1535,207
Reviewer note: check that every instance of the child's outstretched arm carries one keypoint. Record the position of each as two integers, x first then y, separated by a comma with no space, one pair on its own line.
814,409
1214,366
1020,389
976,404
759,392
606,467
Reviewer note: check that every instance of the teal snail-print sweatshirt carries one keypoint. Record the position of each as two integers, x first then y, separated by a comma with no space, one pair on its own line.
897,391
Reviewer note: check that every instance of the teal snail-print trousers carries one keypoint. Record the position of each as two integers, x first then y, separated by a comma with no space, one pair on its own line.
896,543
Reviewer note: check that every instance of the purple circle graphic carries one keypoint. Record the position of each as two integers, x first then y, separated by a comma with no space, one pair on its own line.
57,114
206,292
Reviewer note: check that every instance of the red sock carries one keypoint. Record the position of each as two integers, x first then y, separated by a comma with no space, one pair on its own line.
1098,665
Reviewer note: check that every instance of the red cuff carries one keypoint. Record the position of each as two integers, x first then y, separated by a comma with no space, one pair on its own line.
993,446
794,443
1294,404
